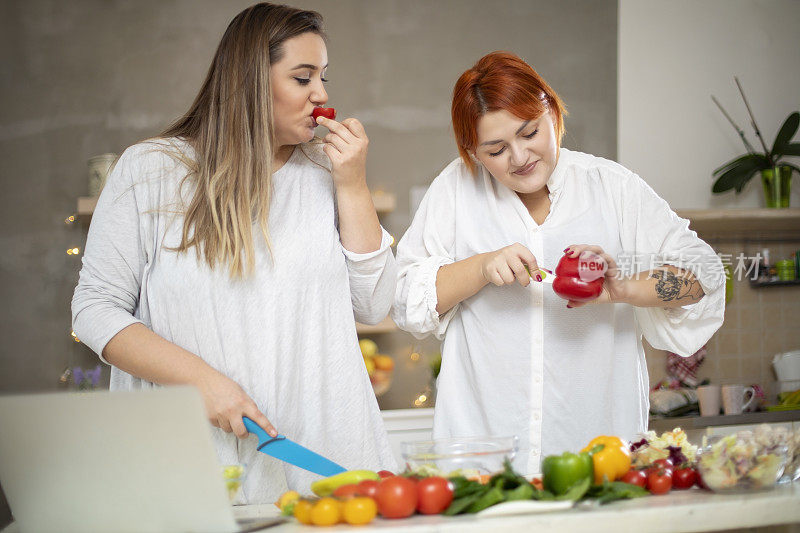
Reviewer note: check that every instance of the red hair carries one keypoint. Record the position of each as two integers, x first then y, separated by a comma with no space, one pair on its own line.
500,80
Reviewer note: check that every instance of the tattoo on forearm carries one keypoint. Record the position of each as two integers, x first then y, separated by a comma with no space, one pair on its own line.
671,287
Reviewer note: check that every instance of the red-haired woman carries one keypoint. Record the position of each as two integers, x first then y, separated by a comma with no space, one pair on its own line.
517,359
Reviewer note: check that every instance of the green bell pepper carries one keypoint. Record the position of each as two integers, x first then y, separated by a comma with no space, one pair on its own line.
561,472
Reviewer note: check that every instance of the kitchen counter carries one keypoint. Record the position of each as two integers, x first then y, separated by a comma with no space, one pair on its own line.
692,510
661,424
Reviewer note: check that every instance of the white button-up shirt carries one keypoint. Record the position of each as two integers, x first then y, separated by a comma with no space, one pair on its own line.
516,361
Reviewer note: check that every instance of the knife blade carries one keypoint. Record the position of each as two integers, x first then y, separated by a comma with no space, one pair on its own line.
290,452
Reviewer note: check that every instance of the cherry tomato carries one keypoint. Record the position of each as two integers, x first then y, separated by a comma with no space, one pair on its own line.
326,512
302,511
385,473
659,481
327,112
396,497
699,480
635,477
346,491
359,511
434,494
684,478
665,464
368,487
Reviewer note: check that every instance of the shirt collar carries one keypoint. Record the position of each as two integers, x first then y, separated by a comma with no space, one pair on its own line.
557,176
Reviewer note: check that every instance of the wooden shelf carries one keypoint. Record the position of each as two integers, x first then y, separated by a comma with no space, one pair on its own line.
777,283
384,203
784,222
384,326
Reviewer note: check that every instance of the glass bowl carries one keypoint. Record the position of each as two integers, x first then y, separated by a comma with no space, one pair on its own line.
740,463
467,456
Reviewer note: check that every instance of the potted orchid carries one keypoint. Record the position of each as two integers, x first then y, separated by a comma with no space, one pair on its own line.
776,173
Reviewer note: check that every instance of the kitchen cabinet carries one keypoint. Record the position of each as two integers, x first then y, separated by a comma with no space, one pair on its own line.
407,425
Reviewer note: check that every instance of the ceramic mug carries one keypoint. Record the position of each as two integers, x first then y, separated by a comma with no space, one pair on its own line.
733,398
709,398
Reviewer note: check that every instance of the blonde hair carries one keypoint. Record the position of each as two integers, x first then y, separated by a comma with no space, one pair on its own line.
231,131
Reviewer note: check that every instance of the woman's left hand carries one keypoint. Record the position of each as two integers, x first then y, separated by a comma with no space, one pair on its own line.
346,147
614,285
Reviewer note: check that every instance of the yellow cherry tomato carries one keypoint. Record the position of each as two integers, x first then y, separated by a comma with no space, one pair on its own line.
326,512
302,511
359,511
287,498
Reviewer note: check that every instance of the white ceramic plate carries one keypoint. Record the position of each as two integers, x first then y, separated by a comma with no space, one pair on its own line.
525,507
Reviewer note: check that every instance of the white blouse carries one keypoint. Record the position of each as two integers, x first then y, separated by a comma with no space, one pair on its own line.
516,361
286,334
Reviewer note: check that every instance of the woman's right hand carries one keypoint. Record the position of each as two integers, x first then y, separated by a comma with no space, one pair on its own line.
506,265
226,404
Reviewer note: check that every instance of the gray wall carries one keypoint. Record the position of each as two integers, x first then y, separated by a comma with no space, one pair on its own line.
81,78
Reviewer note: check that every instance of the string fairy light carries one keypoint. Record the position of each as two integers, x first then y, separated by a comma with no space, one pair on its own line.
69,220
73,251
74,336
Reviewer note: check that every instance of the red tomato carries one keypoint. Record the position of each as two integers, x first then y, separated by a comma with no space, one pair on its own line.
434,494
327,112
699,480
635,477
659,481
684,478
396,497
665,464
346,491
368,487
569,285
385,473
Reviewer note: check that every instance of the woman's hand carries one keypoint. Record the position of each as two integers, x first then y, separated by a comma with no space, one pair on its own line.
226,404
614,286
346,147
506,265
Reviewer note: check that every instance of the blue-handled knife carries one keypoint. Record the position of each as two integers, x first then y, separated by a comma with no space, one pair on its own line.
290,452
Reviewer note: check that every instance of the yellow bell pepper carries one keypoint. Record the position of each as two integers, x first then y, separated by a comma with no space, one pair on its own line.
611,458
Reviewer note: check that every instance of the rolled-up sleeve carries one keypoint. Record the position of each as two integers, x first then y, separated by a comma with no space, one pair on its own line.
107,294
424,249
652,229
372,276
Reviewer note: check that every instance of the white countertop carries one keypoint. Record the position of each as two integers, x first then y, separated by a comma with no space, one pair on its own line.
691,510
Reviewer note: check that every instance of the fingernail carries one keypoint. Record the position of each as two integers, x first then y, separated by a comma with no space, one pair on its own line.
566,250
569,306
538,277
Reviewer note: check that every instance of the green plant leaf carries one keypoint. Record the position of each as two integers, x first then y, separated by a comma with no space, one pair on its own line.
738,176
758,159
794,167
790,149
786,133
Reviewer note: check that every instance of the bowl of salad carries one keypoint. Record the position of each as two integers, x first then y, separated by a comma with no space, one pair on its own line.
466,456
745,461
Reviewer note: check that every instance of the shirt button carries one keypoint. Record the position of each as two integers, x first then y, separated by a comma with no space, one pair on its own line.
536,416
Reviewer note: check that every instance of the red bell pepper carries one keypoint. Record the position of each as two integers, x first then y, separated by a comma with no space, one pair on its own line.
327,112
571,285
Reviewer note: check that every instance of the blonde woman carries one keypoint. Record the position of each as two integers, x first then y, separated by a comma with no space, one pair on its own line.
233,254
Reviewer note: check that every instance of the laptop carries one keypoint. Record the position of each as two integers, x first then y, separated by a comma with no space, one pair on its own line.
139,461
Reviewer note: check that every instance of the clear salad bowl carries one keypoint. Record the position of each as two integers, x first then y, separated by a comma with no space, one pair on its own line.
467,456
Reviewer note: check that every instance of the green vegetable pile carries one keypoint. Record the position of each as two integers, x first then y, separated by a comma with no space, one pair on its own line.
471,496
